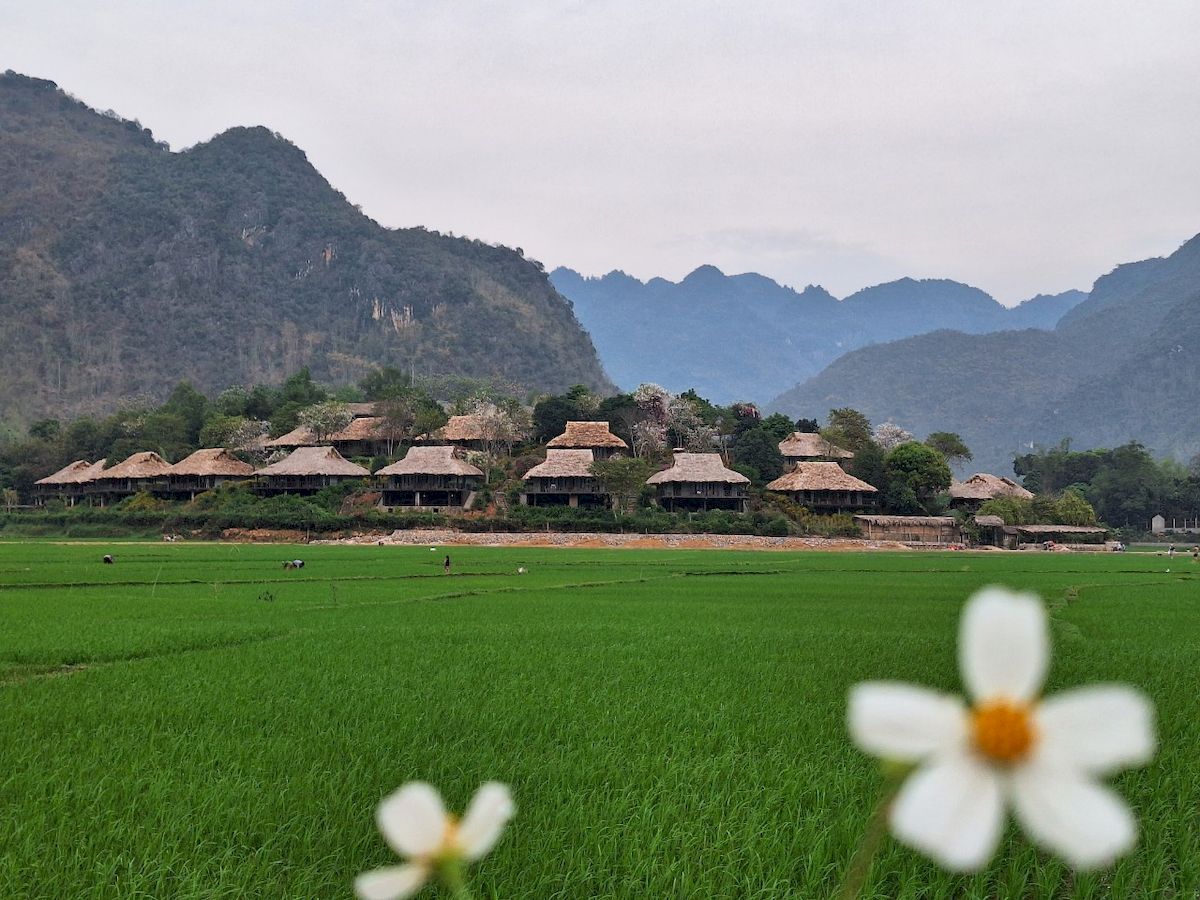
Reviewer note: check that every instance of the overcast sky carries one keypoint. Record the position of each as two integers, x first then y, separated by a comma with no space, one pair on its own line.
1020,147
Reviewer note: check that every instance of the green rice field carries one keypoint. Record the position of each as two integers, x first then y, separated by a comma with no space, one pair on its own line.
196,722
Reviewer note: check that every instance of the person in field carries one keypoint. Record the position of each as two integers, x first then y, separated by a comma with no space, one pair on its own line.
446,564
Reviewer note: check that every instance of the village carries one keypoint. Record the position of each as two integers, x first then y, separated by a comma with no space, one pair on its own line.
444,471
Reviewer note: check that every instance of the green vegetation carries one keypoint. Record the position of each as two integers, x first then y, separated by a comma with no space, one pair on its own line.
1119,365
125,267
194,721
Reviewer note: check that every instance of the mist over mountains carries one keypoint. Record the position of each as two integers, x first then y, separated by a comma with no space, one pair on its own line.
746,337
125,268
1122,365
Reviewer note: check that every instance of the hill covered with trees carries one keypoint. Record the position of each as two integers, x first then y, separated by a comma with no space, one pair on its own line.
738,337
125,268
1121,366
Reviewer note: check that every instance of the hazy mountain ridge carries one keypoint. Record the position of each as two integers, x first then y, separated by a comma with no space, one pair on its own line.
738,337
125,267
1122,365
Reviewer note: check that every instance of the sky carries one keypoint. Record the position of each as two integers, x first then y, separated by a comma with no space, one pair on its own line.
1022,147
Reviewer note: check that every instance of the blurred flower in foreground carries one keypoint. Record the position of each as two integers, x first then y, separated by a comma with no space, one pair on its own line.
416,825
1042,757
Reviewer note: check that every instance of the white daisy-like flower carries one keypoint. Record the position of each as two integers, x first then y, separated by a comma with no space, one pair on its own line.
1045,758
415,824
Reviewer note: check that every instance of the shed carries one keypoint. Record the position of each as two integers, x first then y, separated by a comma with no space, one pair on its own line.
144,471
911,529
64,483
981,487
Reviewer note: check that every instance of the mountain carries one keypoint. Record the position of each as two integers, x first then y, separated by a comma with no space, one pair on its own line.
1121,365
125,267
740,337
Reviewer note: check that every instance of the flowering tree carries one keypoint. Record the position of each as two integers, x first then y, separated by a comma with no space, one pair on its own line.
325,419
889,436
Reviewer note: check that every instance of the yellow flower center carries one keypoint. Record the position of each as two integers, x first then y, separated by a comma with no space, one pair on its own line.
1003,730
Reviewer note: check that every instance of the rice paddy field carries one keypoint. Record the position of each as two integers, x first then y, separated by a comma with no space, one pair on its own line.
195,722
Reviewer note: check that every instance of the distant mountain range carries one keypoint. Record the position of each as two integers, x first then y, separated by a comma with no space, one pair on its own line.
125,267
746,337
1122,365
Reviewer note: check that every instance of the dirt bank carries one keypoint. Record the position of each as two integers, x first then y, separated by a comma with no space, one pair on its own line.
445,537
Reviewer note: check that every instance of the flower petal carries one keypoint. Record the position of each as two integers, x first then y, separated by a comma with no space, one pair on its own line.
413,820
1082,821
1003,645
1098,730
951,810
391,883
904,722
481,827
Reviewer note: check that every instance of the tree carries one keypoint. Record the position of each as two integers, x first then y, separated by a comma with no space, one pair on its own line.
759,449
807,426
550,417
950,445
404,417
45,429
10,498
889,436
385,383
848,428
916,473
325,419
624,478
779,425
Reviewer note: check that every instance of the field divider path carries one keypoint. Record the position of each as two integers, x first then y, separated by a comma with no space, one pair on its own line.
23,673
514,589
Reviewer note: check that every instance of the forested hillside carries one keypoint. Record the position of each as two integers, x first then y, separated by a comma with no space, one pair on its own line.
739,337
1123,365
125,268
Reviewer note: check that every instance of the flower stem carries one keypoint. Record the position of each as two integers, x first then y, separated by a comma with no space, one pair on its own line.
872,839
455,882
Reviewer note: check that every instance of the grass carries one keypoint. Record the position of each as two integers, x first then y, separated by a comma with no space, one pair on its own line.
194,721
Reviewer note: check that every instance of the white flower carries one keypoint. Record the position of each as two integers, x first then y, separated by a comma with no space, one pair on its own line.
416,825
1045,758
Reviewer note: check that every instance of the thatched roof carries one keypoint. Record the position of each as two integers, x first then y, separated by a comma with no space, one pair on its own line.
800,445
146,464
93,471
214,461
1059,529
363,428
819,476
918,521
314,461
68,474
982,486
361,409
563,464
698,468
580,435
431,461
989,521
461,428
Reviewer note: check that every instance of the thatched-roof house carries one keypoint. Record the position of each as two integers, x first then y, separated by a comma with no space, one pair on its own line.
564,479
63,483
799,446
307,470
825,486
205,470
363,436
430,477
699,481
911,529
469,432
86,481
981,487
594,436
144,471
